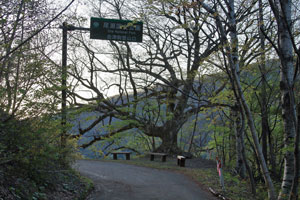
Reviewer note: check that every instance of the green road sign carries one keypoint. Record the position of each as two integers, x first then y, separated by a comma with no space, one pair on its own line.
119,30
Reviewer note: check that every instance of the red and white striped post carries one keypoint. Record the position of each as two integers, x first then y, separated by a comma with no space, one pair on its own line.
219,169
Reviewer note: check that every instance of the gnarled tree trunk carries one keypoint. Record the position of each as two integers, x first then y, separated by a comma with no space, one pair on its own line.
169,143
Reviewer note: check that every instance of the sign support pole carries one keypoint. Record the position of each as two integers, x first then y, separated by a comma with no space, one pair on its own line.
63,89
65,28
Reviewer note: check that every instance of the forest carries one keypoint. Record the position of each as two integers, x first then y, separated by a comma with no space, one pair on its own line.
218,76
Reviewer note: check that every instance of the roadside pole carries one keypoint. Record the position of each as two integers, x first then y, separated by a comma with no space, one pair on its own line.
63,139
220,172
64,90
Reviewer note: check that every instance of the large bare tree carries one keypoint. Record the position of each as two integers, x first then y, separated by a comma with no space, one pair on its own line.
177,39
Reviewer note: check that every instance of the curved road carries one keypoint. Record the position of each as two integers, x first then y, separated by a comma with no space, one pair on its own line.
116,181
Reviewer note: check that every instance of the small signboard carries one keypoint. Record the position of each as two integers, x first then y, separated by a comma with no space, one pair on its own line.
118,30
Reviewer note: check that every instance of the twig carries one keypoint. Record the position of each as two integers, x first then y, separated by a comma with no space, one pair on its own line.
217,194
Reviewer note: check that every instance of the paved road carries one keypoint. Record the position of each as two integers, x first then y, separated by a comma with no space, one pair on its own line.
116,181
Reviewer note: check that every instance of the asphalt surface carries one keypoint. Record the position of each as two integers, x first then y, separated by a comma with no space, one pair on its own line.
117,181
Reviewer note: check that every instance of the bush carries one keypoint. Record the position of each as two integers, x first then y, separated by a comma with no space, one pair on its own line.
30,152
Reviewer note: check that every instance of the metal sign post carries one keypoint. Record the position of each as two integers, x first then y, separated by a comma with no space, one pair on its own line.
65,28
64,86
